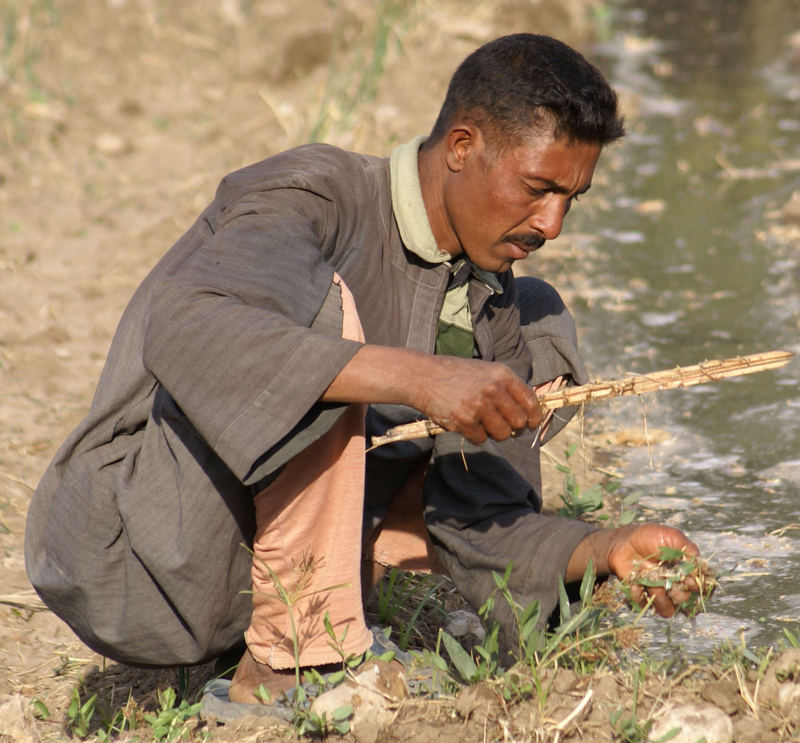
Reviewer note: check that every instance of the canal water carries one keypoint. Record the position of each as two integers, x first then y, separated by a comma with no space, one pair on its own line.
687,248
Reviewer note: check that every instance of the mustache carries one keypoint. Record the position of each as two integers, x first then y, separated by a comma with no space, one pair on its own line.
533,241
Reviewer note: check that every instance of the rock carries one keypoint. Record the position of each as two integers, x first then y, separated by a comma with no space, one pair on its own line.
750,730
374,694
476,698
781,684
696,722
111,144
366,732
465,623
566,680
17,723
725,695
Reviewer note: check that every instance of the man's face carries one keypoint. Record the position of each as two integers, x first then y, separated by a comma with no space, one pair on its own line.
501,207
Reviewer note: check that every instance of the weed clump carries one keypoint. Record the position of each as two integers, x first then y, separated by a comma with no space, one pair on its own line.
676,569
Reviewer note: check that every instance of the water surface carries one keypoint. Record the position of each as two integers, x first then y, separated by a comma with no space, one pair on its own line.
684,251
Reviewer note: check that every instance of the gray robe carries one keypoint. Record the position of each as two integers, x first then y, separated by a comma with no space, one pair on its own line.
212,383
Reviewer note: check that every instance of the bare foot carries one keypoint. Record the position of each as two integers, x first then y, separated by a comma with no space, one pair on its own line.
250,674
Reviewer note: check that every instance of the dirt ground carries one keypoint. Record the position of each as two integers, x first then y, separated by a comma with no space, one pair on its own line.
117,119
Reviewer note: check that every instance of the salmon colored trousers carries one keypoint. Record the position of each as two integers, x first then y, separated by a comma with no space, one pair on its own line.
308,548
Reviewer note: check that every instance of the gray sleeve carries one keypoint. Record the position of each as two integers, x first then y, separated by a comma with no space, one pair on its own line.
549,333
230,334
482,511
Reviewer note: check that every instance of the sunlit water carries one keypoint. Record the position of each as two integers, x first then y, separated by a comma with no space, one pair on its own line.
680,254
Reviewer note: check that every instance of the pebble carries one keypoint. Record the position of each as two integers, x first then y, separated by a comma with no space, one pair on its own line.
476,698
696,722
463,623
781,684
725,695
374,694
111,144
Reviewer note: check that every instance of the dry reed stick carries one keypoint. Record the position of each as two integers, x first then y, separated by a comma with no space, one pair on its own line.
668,379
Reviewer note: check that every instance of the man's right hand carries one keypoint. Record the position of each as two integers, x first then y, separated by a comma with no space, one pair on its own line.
479,399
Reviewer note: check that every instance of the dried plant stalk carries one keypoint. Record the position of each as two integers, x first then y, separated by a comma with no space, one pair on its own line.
28,600
668,379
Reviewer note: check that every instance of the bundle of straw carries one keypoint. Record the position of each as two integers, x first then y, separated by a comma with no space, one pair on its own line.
668,379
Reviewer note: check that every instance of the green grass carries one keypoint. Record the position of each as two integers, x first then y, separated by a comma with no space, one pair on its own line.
579,501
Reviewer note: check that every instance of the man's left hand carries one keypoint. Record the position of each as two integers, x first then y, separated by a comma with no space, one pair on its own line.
635,548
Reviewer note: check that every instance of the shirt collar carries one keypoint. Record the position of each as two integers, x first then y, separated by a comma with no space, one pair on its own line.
409,211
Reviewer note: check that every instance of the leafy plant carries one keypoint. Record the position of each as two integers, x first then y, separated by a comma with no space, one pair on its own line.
730,654
40,710
399,590
575,641
319,726
172,723
290,596
628,729
577,501
80,714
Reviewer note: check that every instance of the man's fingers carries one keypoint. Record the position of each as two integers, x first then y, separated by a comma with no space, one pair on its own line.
638,595
528,404
497,425
509,414
662,602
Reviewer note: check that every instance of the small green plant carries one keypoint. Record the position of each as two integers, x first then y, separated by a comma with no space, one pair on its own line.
123,719
80,714
319,726
628,729
469,669
263,694
171,723
289,597
626,724
729,654
349,661
577,501
576,641
40,710
306,722
399,590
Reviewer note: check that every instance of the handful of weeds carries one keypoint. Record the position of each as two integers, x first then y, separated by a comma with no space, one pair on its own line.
676,570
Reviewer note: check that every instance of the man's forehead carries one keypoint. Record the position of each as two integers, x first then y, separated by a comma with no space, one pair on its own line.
557,162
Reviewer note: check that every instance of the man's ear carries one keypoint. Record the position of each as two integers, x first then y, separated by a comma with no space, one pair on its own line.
461,142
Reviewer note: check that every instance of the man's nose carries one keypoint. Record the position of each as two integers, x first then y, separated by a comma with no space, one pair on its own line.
549,216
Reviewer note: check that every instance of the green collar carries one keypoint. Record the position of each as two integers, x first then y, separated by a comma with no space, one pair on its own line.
409,210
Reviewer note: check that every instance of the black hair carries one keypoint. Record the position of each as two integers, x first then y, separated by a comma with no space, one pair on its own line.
525,82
